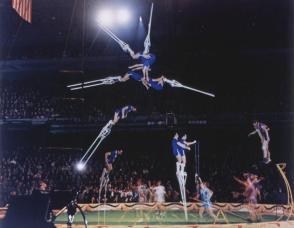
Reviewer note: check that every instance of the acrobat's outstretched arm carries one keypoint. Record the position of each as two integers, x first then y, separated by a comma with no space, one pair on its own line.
183,146
252,133
190,143
147,42
198,178
239,181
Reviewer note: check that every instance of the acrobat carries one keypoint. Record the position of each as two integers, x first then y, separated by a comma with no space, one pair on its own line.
122,113
205,197
159,192
250,193
187,144
155,83
106,130
145,57
262,130
178,148
110,158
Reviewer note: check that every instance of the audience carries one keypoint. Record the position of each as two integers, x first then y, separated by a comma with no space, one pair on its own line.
22,169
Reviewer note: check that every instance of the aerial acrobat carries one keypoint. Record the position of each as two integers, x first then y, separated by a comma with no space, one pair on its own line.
146,58
155,83
119,114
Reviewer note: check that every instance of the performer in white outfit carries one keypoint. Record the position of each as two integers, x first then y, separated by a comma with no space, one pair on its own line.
159,192
262,130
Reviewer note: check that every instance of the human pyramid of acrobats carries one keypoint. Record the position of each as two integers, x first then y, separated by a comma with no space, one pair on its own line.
142,73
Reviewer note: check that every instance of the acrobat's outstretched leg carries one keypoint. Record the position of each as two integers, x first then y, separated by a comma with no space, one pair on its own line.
104,179
124,46
182,177
99,82
138,66
91,150
147,42
174,83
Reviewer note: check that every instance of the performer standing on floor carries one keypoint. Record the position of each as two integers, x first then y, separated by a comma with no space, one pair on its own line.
205,197
250,193
262,130
141,189
160,193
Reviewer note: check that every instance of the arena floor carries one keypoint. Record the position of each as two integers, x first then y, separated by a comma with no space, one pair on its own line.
170,218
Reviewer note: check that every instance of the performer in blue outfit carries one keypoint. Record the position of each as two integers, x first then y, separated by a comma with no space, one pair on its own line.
154,83
146,59
110,158
122,113
205,196
177,150
183,141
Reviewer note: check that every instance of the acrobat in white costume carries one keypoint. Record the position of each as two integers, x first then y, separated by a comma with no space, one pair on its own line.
262,130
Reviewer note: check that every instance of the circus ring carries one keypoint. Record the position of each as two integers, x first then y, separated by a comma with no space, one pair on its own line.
144,215
230,215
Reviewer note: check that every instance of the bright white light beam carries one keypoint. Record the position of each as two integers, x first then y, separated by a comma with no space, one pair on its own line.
80,166
105,17
123,16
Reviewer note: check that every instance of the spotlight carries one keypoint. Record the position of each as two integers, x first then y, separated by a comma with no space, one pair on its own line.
80,166
140,19
123,16
105,17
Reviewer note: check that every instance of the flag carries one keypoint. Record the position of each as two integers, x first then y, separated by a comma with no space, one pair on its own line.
23,8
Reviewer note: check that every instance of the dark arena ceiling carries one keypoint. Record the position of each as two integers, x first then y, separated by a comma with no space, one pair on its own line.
179,27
